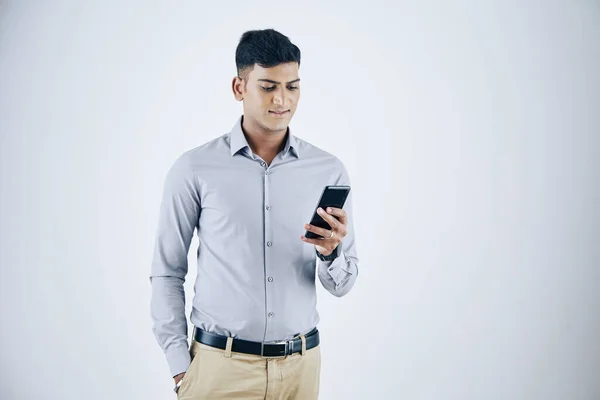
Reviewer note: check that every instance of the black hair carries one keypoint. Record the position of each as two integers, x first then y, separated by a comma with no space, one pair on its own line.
265,47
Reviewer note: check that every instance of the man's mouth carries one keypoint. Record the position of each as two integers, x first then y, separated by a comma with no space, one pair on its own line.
279,112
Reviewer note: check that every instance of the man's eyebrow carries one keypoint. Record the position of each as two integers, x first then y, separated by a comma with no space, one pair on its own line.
276,83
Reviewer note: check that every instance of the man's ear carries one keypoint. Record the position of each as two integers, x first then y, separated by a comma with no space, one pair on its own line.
237,85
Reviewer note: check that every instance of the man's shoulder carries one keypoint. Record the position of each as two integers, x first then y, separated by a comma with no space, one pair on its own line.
317,155
309,150
190,161
214,147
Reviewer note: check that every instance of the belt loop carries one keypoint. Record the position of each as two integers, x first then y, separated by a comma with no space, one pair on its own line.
303,338
228,347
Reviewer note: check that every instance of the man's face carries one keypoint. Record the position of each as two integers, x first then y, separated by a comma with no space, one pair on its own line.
270,95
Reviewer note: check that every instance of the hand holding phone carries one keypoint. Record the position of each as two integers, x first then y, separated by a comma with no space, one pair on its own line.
332,196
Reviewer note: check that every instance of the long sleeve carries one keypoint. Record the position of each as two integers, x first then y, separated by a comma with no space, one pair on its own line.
338,276
178,216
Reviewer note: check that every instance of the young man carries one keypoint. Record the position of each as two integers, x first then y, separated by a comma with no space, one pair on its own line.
249,193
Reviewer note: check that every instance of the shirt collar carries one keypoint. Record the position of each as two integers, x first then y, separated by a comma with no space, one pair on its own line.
237,140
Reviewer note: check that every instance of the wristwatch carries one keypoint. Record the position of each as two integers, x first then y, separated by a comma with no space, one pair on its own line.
330,257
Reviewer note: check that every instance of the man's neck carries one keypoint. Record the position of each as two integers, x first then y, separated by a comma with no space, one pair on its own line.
266,144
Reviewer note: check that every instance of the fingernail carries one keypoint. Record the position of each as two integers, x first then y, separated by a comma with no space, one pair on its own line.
329,209
320,210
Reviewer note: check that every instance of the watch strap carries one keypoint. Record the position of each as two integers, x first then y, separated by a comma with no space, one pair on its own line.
330,257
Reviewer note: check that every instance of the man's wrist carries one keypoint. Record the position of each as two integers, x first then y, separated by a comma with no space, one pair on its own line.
327,257
178,384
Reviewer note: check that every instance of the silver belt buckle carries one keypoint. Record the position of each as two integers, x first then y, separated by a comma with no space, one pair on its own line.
272,353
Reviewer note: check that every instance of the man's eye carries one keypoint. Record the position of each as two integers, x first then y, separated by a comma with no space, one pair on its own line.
268,89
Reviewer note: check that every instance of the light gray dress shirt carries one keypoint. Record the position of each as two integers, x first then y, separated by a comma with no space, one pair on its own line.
256,277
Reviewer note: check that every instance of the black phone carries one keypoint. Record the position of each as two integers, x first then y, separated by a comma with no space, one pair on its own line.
332,196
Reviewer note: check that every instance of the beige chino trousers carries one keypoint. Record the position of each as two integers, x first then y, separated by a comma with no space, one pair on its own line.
222,374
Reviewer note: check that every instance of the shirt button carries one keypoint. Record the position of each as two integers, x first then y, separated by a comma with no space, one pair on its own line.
263,163
267,173
268,207
270,279
271,314
269,244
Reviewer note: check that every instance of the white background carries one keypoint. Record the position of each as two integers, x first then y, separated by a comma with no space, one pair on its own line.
470,131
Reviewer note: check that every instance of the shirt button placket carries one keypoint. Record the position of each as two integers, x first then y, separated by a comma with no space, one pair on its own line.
268,232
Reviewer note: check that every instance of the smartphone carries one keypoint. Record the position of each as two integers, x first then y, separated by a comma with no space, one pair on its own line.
332,196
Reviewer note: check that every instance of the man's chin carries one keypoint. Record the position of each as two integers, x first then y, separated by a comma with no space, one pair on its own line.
277,126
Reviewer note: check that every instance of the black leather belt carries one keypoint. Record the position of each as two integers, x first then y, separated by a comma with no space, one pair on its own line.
273,349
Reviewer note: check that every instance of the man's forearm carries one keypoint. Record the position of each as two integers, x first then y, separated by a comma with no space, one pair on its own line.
169,321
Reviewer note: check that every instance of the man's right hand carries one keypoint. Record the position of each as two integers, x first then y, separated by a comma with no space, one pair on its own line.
178,377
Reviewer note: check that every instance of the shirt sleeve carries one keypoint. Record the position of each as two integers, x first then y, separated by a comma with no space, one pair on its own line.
178,217
338,276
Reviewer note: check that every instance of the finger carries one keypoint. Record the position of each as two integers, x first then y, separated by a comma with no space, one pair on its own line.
340,213
321,245
331,220
315,241
319,231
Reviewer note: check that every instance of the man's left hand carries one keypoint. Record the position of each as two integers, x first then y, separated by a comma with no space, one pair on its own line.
326,245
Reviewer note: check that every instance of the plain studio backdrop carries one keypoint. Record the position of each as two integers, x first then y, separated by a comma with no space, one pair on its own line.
470,131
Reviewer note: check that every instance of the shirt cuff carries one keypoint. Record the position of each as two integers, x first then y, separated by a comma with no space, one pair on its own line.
178,359
338,268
